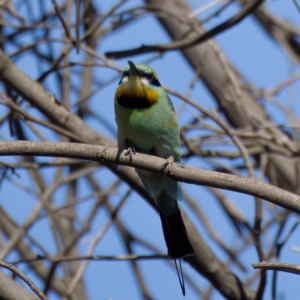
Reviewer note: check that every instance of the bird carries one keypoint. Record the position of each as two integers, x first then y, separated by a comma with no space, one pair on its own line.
147,123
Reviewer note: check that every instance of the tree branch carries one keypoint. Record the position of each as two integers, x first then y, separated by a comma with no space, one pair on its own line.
13,269
284,267
110,155
183,44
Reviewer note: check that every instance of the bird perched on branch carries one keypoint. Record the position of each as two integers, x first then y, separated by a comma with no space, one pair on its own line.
147,123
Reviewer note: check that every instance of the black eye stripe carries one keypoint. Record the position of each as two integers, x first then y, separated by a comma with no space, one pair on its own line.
153,81
150,77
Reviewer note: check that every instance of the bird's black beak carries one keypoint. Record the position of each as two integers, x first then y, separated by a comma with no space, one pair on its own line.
133,69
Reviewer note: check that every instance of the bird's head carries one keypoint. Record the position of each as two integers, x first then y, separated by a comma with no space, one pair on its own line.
139,86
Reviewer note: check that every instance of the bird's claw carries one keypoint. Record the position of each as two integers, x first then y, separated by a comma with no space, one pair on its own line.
166,167
130,151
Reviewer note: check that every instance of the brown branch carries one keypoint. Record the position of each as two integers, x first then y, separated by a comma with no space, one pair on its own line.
284,267
9,289
57,259
63,22
183,44
110,155
27,116
21,275
280,30
9,227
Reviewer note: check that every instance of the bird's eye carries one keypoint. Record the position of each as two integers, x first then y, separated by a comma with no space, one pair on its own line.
150,77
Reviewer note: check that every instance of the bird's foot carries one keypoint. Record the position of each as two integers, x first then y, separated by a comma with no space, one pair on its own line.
130,150
166,167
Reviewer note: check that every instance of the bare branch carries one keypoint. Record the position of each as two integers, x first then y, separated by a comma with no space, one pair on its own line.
247,185
184,44
13,269
284,267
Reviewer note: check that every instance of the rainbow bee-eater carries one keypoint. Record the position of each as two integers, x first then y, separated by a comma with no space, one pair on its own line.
147,123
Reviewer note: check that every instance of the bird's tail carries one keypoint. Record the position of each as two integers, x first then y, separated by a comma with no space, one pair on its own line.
176,236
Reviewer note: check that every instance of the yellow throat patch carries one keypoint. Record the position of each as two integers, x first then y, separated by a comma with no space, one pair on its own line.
136,94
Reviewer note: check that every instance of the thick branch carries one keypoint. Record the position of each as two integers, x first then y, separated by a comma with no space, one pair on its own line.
247,185
9,289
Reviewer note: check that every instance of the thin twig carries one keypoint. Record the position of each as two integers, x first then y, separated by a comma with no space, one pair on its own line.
183,44
21,275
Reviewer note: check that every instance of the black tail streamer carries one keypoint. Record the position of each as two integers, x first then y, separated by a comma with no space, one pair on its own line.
180,276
